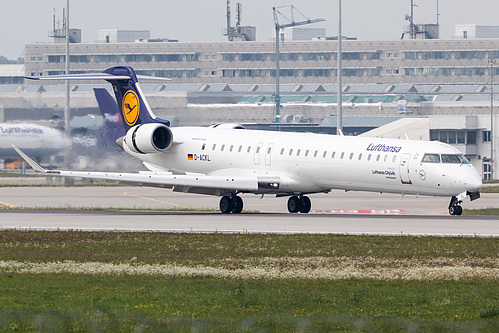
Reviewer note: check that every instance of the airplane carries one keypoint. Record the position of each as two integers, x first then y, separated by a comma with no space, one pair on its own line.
227,160
36,140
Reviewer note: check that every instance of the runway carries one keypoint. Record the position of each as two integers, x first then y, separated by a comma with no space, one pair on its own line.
418,216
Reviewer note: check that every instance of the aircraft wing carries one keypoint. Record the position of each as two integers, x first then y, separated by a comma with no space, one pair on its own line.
204,184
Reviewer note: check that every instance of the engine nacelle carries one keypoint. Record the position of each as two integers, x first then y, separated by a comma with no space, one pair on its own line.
149,138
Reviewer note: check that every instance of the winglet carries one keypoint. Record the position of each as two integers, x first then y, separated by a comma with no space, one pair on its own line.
33,164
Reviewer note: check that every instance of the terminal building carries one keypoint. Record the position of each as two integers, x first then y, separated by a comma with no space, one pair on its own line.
446,82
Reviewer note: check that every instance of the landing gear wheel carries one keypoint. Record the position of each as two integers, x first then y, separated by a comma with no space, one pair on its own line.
294,204
237,205
455,206
306,205
456,210
226,205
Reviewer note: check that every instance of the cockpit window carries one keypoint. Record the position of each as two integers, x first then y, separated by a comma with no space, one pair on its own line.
450,159
464,159
445,158
431,158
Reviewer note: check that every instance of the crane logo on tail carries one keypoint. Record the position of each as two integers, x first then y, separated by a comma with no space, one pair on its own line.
130,107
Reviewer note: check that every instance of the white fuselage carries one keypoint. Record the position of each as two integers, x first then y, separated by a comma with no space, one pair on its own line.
311,163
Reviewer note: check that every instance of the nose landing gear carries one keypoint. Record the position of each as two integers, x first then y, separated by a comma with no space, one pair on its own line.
455,206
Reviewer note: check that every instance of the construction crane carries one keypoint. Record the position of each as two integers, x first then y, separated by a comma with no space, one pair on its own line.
279,27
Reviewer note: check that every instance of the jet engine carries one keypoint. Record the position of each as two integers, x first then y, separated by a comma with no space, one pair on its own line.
149,138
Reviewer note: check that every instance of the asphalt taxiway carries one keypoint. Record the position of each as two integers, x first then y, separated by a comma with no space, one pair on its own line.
380,213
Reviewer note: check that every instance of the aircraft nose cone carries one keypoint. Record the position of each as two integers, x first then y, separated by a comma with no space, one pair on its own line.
474,183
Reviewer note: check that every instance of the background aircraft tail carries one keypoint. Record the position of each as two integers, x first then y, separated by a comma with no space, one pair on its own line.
113,123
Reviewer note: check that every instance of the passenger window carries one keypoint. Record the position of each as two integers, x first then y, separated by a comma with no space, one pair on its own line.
203,146
333,154
249,149
282,151
269,150
298,152
306,153
342,155
360,156
369,157
223,147
324,155
231,147
240,149
386,158
258,150
431,158
351,155
378,157
315,153
214,146
290,152
394,159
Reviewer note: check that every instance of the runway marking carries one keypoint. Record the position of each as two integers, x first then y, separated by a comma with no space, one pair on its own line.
146,198
371,211
7,205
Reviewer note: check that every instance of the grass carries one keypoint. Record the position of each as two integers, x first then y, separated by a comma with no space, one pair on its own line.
483,211
34,296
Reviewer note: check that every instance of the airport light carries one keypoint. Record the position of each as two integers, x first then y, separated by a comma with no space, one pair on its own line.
339,90
491,160
66,108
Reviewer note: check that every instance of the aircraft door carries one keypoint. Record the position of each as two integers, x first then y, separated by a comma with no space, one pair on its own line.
258,149
404,169
268,154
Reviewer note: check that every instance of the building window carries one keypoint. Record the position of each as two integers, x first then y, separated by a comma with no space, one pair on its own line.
411,55
316,56
285,72
106,58
252,57
469,54
168,57
228,56
192,57
229,73
138,58
486,136
470,71
169,73
373,55
352,72
373,72
316,72
252,73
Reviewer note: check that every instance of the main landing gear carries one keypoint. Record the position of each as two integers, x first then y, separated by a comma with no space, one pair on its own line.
455,206
300,204
233,204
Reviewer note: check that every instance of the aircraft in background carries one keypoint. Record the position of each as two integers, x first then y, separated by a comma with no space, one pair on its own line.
38,141
227,160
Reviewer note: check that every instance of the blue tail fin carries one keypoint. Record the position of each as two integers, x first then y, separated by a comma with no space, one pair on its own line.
133,107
